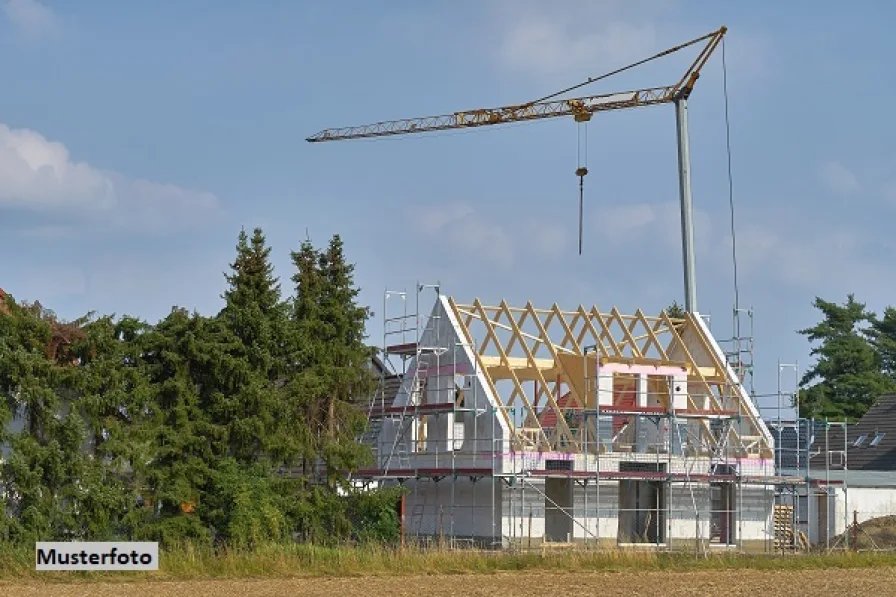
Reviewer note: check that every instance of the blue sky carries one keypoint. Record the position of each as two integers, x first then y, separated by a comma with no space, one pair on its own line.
137,138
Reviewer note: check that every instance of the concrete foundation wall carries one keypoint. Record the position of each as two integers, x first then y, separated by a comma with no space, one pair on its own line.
563,509
528,512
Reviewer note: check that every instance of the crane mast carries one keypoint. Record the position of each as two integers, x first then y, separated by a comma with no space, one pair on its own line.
581,109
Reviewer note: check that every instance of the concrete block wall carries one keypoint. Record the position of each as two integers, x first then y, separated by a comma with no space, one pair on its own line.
752,524
467,510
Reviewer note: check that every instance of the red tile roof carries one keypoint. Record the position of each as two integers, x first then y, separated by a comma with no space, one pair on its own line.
548,417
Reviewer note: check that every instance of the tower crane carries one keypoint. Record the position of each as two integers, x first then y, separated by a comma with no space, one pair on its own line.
581,109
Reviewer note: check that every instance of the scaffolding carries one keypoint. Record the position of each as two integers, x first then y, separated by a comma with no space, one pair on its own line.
740,347
623,441
806,512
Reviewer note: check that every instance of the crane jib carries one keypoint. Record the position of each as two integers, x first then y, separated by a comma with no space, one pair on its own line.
580,108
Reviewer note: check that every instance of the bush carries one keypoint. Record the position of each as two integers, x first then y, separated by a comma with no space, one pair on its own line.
245,505
325,518
374,516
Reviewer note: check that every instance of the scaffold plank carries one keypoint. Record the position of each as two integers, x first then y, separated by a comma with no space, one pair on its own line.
661,411
414,473
406,349
417,409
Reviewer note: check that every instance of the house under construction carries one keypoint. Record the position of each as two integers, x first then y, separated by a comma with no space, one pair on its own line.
515,426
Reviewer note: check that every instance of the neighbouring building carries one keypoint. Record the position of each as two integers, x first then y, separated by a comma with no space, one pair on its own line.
848,471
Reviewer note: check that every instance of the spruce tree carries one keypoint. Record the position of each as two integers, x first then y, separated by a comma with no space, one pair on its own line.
847,372
348,363
675,311
306,387
330,327
254,311
116,399
256,315
197,372
883,340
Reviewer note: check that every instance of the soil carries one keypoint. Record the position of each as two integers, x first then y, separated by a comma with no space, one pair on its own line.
865,581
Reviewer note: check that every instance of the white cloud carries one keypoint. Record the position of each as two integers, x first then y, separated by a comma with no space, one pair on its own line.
545,239
31,17
40,175
564,42
623,222
37,173
838,179
458,227
432,218
634,223
575,36
829,257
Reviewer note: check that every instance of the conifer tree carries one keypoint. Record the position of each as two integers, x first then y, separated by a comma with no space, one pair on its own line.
169,431
44,473
305,386
675,311
883,340
115,397
847,373
349,355
329,327
256,315
254,311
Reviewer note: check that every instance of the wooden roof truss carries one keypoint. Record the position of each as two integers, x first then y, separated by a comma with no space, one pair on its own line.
536,356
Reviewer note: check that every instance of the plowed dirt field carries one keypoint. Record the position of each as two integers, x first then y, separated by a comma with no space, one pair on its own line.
866,581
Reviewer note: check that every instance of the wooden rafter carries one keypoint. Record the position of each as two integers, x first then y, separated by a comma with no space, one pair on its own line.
555,335
518,391
468,338
561,427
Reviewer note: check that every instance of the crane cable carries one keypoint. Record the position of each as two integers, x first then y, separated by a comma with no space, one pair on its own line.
624,68
581,171
731,197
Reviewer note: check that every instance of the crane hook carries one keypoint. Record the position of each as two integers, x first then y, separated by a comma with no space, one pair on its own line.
581,172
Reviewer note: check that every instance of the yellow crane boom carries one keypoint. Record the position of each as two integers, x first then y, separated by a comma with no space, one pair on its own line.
580,108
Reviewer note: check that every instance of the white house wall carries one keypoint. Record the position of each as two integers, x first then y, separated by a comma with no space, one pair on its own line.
864,503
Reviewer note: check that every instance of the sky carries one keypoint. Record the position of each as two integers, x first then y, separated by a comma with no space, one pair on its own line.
136,139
